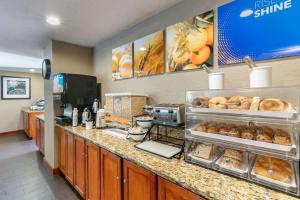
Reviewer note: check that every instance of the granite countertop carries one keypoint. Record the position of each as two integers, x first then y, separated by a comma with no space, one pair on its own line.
41,117
27,109
207,183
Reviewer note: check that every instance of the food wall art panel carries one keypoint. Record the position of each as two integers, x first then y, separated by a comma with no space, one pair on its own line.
122,62
262,29
189,44
149,55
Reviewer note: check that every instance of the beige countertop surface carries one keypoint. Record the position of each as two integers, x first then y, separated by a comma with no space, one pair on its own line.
207,183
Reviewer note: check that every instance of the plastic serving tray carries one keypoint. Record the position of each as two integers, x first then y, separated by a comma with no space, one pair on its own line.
249,144
252,113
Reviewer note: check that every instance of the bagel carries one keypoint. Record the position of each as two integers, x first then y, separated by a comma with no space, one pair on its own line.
287,107
239,103
217,103
272,104
255,103
200,101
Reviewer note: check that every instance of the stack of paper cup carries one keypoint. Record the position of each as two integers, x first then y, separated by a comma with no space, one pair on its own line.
260,77
216,81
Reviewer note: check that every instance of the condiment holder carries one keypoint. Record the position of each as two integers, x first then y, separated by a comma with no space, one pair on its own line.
258,76
215,80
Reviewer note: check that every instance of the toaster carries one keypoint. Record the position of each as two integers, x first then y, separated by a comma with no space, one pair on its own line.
169,114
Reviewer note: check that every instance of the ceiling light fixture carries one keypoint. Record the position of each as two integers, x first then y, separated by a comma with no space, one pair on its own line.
32,70
53,20
143,49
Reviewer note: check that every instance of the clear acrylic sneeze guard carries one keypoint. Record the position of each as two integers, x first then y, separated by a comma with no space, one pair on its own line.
228,130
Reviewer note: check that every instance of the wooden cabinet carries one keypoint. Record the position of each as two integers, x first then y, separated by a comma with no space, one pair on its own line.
170,191
29,123
92,171
25,122
111,180
97,174
79,165
139,183
62,149
40,135
69,157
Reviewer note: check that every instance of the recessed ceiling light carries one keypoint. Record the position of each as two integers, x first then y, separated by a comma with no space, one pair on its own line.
143,49
53,20
32,70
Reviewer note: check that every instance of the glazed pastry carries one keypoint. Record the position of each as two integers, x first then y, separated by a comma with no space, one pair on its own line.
282,137
255,103
265,134
213,129
201,128
224,130
239,103
272,104
203,151
248,133
234,132
217,103
273,168
200,101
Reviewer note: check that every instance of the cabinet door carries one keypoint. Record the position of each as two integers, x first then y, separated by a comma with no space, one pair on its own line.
42,136
79,165
111,182
70,157
170,191
37,130
92,171
62,149
25,122
139,183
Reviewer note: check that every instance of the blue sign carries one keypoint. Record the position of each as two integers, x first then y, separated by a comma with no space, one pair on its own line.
262,29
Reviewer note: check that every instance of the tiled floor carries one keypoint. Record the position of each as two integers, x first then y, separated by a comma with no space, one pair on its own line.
23,175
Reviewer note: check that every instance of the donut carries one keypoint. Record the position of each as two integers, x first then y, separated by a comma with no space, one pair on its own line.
272,104
239,103
217,103
200,101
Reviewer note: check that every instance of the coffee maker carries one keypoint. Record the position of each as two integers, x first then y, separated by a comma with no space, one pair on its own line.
72,91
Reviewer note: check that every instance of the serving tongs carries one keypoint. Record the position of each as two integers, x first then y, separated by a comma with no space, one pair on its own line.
248,60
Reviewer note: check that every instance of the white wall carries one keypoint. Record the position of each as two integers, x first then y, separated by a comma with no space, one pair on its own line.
171,87
11,116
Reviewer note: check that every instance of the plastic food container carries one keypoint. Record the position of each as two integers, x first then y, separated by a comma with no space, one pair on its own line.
260,77
201,153
224,164
216,81
268,176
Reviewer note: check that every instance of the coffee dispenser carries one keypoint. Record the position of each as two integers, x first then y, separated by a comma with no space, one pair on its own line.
72,91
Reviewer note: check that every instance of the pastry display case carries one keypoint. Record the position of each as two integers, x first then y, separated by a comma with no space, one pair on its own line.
250,133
